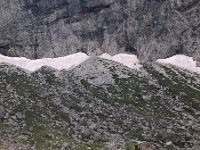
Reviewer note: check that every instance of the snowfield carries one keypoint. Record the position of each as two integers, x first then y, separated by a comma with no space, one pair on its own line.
67,62
128,60
70,61
181,61
57,63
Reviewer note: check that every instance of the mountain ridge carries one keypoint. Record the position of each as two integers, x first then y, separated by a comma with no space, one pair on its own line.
151,29
99,104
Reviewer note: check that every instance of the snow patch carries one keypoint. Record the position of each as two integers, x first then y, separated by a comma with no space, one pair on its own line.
57,63
181,61
128,60
69,61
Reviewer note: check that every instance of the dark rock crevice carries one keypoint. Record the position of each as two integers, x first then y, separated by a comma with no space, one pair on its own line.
4,47
188,6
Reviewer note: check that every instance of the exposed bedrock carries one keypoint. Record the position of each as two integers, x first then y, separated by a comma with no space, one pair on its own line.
149,28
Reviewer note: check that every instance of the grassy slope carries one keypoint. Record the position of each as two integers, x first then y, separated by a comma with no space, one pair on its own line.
49,111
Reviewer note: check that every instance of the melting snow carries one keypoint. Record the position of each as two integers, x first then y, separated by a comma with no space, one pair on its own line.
126,59
181,61
57,63
69,61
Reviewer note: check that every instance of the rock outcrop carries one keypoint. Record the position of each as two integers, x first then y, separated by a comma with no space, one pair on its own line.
50,28
99,105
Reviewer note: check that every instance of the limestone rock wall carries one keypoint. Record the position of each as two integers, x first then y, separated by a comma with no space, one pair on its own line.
50,28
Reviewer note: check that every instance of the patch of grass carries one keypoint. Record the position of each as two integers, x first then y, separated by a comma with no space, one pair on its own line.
89,147
85,83
131,146
137,133
176,87
1,145
3,126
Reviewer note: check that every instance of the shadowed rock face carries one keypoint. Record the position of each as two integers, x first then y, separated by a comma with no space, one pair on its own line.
50,28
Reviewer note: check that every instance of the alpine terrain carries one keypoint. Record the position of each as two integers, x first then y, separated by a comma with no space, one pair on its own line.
99,75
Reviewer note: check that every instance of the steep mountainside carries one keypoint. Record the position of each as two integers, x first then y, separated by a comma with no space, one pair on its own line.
99,104
151,29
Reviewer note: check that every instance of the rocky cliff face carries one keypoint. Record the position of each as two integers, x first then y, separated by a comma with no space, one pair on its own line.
149,28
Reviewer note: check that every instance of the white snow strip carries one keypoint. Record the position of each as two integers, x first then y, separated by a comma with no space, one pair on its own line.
128,60
57,63
69,61
181,61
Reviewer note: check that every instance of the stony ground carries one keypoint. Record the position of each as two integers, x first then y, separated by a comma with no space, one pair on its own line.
151,29
99,105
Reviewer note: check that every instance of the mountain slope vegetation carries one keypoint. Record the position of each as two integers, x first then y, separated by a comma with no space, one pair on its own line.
99,104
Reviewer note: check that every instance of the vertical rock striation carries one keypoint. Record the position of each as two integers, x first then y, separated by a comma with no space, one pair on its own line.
50,28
